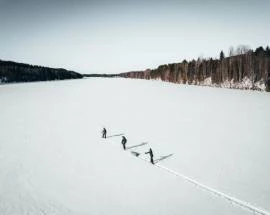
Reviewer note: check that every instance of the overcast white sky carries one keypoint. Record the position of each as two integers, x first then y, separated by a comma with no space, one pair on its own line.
102,36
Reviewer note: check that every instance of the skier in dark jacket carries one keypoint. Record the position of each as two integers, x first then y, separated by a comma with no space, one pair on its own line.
150,152
124,141
104,133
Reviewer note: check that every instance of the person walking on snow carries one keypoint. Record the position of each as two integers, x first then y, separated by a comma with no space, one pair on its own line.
104,133
124,141
150,152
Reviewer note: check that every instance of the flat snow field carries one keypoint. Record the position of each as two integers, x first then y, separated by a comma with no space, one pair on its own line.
54,161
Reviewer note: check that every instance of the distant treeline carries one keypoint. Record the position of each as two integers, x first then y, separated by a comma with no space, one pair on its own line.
19,72
243,69
101,75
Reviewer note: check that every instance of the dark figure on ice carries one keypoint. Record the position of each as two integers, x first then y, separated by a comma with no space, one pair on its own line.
124,141
150,152
104,133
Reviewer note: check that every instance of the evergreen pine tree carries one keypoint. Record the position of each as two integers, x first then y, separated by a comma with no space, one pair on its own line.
221,55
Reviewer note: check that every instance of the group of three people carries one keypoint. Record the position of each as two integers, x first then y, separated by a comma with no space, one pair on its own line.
124,141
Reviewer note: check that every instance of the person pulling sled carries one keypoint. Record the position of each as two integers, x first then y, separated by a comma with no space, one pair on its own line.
150,152
104,133
124,141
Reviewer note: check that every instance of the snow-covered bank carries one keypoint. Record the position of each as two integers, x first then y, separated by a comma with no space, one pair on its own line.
52,160
244,84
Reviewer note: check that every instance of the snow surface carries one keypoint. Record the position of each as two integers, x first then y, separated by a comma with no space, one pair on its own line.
53,161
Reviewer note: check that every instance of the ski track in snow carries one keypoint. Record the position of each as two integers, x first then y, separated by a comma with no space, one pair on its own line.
238,202
234,200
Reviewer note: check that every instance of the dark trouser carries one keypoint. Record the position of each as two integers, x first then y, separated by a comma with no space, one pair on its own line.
124,146
104,135
152,161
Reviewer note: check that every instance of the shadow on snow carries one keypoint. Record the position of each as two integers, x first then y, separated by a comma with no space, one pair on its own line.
162,158
114,135
131,147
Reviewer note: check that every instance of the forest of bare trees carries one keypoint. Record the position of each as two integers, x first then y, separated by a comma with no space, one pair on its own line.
243,69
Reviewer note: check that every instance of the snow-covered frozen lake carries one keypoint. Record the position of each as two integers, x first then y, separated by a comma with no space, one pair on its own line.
53,161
